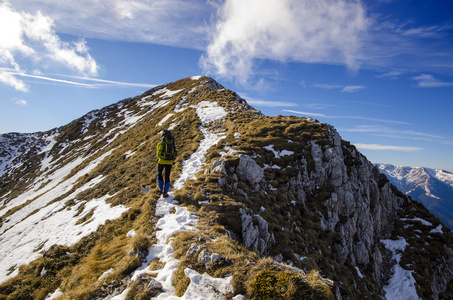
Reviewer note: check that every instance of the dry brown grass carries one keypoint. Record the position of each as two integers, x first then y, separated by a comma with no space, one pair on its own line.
271,280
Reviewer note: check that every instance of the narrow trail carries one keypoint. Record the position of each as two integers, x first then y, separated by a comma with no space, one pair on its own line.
174,218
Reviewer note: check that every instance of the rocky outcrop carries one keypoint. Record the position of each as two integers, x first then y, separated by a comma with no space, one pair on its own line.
359,204
249,171
255,234
362,206
244,169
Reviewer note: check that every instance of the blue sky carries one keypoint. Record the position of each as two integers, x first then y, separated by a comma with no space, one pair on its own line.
380,72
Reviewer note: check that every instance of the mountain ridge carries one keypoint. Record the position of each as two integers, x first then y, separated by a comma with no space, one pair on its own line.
285,195
432,187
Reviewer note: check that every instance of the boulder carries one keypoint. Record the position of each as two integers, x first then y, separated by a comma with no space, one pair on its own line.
248,170
208,259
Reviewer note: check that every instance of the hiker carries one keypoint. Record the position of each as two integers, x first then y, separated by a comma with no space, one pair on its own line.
166,152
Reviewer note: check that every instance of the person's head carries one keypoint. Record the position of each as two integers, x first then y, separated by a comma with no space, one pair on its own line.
166,134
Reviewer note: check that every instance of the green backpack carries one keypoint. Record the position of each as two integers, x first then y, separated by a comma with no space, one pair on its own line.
167,149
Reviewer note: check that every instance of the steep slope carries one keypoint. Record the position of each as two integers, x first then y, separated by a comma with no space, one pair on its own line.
267,207
433,188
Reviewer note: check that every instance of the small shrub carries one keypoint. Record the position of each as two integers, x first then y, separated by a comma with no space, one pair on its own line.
275,284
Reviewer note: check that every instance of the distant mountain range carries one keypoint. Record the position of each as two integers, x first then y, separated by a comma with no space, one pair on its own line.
432,187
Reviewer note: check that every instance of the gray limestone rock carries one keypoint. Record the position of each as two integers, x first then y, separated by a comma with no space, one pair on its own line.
255,234
207,258
248,170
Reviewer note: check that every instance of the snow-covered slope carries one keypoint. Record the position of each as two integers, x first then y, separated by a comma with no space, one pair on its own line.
432,187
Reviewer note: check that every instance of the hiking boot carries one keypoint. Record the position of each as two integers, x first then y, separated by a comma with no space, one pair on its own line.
165,195
160,191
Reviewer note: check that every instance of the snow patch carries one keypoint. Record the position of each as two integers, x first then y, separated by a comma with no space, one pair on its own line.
90,117
278,154
169,224
52,224
206,111
166,93
131,233
201,286
128,154
55,295
57,185
230,151
358,272
195,163
438,229
299,257
165,119
173,125
41,223
424,222
209,111
105,274
402,284
266,166
445,176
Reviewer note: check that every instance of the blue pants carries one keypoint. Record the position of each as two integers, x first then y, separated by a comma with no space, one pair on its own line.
163,184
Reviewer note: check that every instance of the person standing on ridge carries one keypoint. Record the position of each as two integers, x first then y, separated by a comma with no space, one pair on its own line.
166,152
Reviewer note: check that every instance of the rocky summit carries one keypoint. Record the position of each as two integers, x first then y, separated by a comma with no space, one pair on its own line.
260,208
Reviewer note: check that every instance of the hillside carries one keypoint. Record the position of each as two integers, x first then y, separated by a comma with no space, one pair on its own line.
260,207
432,187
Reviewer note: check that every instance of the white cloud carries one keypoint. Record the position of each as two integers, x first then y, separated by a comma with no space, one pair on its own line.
387,148
103,82
304,113
399,45
318,105
347,117
303,84
327,86
21,102
428,81
9,79
395,133
266,103
11,32
323,31
259,102
352,88
391,74
344,89
236,34
370,119
181,23
30,39
82,81
425,32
